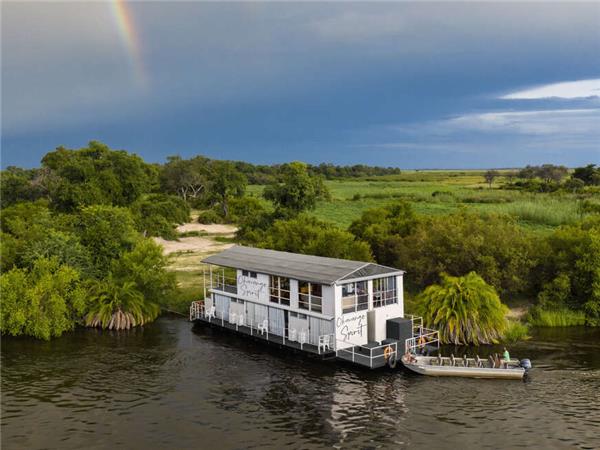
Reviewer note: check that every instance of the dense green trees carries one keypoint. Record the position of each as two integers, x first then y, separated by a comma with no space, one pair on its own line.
43,301
155,214
465,310
95,175
590,174
570,270
308,235
492,246
296,190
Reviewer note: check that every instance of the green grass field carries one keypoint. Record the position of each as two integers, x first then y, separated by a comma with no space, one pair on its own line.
442,192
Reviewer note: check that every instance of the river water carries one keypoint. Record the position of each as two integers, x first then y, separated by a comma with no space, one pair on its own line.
168,386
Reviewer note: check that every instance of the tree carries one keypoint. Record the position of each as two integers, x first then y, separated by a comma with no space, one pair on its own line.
119,306
465,310
589,174
186,178
310,236
574,184
95,175
146,267
383,227
570,269
296,191
157,214
493,246
107,232
43,302
65,247
226,182
490,175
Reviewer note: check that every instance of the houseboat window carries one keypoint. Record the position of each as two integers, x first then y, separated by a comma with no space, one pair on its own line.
355,297
310,296
279,288
384,291
247,273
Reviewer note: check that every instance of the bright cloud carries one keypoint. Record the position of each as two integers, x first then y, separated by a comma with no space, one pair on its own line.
565,90
563,121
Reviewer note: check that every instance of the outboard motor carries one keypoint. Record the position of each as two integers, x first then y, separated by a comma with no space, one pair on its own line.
525,364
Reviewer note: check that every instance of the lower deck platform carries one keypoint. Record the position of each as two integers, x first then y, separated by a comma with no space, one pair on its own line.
268,338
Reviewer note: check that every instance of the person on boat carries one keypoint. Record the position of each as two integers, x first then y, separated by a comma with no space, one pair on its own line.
506,357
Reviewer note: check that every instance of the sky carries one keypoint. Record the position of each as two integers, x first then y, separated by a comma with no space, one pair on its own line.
409,85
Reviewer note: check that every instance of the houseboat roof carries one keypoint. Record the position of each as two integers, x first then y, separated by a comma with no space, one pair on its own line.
317,269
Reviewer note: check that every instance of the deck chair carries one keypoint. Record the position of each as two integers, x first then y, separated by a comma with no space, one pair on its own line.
302,338
452,360
440,360
263,327
293,335
478,362
465,360
211,312
232,318
325,342
240,320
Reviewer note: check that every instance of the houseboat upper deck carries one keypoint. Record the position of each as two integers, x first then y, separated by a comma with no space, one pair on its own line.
329,307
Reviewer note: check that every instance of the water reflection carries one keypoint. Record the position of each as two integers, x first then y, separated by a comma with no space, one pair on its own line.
165,386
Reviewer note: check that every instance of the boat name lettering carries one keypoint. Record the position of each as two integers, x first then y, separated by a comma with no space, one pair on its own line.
351,326
250,287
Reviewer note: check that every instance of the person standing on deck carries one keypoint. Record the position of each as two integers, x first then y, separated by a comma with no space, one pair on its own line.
506,357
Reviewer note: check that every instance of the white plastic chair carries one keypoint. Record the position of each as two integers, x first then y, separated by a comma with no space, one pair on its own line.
293,335
302,338
240,321
211,312
232,318
263,327
325,343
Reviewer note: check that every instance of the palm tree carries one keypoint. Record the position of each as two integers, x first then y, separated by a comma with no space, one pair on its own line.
119,306
465,310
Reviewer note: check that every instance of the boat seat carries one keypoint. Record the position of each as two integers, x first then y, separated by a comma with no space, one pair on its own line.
452,360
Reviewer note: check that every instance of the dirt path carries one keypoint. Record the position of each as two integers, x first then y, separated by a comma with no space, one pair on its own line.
186,253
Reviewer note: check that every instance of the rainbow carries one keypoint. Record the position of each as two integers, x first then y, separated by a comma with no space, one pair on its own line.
129,36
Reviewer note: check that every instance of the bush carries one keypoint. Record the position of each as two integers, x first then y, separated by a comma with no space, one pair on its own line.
157,214
308,235
516,331
43,302
210,216
498,250
465,310
556,318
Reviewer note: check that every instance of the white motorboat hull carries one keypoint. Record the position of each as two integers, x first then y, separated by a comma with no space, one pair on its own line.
422,366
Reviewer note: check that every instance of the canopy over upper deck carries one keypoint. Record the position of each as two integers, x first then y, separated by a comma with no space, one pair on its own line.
316,269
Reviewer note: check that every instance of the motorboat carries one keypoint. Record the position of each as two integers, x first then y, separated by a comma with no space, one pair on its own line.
439,366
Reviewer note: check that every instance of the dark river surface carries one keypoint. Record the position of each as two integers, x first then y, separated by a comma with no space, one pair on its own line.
168,386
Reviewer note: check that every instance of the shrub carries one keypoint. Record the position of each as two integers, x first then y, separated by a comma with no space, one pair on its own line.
210,216
556,318
516,331
43,302
465,310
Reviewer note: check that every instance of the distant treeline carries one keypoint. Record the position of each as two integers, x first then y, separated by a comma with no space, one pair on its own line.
265,174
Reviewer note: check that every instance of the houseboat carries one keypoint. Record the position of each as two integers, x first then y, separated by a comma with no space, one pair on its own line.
325,307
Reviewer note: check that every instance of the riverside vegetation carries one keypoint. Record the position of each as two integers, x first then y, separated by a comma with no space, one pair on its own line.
76,243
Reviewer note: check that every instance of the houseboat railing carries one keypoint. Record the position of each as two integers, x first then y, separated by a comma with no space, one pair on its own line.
427,337
358,353
196,310
199,310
